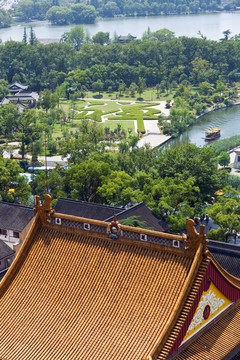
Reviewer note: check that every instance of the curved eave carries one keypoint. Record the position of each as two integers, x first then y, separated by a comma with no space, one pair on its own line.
228,284
234,281
188,294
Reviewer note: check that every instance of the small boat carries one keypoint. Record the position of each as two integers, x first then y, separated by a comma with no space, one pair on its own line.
212,134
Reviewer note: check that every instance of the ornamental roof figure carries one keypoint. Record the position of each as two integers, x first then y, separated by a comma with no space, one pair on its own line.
74,292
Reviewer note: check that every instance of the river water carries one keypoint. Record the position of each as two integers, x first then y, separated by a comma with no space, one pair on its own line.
228,120
210,25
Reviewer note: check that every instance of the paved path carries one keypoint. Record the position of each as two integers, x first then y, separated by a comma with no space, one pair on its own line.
153,140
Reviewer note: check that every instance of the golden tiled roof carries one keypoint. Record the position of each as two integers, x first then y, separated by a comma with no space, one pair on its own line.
75,293
218,341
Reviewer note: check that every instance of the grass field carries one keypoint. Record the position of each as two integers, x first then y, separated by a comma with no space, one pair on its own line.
115,111
124,124
150,94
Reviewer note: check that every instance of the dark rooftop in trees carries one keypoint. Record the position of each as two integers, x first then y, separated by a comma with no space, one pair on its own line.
14,217
228,256
16,87
85,209
143,213
5,250
106,213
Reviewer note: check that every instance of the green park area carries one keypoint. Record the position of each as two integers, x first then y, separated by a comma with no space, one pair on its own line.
111,112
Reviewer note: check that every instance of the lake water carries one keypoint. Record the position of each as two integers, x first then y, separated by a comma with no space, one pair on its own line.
210,25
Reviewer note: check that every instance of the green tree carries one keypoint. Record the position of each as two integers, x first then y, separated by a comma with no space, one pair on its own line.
205,88
173,199
226,213
133,88
5,19
110,9
59,15
47,100
118,188
28,130
192,161
25,9
224,159
101,38
24,36
83,14
141,85
135,222
75,37
8,120
83,180
226,34
3,88
97,86
32,39
83,143
10,178
163,35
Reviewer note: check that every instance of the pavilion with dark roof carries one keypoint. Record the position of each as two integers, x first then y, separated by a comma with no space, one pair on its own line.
88,289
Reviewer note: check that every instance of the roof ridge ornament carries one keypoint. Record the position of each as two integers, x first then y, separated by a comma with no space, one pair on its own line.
114,229
44,210
194,239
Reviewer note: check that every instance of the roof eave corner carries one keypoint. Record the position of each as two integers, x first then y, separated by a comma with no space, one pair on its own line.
194,239
195,243
44,210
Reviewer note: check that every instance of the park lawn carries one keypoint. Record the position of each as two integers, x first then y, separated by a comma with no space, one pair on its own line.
58,128
110,107
134,112
125,124
149,94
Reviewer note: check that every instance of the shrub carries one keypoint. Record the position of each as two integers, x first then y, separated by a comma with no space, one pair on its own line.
140,125
217,234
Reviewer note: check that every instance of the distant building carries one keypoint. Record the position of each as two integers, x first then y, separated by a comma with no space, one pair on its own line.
228,256
49,41
125,39
17,87
15,221
236,164
7,256
21,96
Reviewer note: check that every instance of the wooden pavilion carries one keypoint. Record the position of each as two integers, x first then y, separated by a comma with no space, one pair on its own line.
88,289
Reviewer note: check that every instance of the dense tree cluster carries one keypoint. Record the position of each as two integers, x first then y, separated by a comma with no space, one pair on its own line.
5,19
162,63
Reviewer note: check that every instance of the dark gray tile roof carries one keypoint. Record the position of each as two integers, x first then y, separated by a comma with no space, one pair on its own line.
85,209
143,213
14,217
228,256
106,213
5,250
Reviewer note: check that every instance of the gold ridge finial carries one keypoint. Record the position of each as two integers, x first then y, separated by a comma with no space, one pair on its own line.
44,210
194,238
